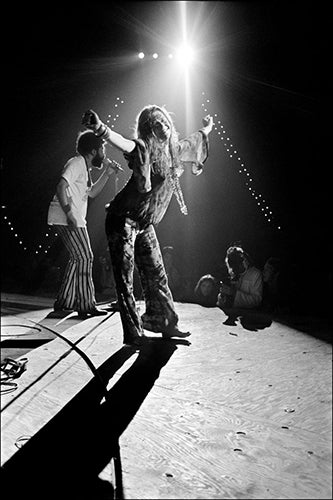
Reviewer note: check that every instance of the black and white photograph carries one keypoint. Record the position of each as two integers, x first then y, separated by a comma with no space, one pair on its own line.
166,278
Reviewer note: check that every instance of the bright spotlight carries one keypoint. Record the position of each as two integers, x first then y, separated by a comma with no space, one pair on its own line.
185,55
141,55
170,56
155,55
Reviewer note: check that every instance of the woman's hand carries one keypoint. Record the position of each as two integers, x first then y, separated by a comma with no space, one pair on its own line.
91,120
208,123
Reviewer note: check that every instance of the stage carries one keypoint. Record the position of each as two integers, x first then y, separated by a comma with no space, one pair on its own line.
238,410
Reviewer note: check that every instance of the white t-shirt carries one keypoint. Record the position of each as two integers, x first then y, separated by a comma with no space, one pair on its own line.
75,173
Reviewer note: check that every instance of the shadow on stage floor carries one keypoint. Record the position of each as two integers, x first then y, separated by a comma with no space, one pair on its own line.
65,458
318,326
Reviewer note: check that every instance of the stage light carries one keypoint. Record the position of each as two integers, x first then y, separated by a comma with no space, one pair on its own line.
170,56
141,55
185,55
155,55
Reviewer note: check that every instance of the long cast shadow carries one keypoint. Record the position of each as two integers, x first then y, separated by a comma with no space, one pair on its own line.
66,456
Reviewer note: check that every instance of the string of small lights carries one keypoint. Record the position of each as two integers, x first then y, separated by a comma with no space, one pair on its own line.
114,118
47,240
44,244
241,165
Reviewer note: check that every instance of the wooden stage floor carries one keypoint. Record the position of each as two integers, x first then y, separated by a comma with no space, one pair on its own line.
238,410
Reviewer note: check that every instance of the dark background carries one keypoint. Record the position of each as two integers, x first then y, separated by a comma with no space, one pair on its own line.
265,67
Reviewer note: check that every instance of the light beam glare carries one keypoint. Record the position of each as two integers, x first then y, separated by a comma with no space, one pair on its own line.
185,56
183,21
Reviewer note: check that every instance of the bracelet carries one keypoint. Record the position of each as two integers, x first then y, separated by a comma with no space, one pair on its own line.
99,128
67,208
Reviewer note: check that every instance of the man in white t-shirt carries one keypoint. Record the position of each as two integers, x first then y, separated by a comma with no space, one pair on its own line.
67,212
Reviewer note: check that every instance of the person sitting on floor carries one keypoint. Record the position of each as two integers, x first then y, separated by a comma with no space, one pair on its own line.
278,286
245,288
206,291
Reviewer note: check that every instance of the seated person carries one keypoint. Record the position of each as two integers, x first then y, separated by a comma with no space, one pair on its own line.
277,288
244,290
175,280
206,291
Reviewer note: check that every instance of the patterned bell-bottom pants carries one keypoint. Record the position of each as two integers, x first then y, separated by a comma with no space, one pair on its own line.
130,246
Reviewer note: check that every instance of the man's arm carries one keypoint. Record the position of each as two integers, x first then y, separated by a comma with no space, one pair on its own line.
109,169
64,202
92,121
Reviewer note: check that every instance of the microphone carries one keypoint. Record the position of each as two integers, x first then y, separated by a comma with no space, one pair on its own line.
114,165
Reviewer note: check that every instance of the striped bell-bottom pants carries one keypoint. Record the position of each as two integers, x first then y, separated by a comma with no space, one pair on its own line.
77,287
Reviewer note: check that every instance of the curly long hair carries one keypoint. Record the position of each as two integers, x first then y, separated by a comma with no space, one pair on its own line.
164,156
